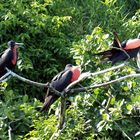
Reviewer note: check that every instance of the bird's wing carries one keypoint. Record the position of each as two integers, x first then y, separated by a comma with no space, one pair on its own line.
116,41
138,59
62,80
6,57
58,76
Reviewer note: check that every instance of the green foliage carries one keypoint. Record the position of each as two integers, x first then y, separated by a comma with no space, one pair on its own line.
55,32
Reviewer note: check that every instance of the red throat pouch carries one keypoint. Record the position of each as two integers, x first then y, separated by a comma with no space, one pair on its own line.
14,60
76,73
132,44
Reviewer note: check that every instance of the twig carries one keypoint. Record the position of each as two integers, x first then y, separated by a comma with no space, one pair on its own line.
103,84
33,82
68,89
4,76
109,101
9,133
110,69
55,134
27,80
89,75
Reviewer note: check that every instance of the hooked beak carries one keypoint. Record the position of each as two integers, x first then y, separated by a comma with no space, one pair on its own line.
79,68
21,45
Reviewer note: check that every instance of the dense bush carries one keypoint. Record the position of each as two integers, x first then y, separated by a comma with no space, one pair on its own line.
57,32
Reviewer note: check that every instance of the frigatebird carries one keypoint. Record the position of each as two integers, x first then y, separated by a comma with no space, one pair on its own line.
122,51
9,57
60,82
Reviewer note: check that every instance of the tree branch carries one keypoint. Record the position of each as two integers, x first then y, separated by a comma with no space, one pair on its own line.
103,84
81,78
2,79
89,75
27,80
107,70
9,133
9,72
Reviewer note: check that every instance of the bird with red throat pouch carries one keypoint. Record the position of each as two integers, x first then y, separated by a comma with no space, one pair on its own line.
70,74
9,57
122,51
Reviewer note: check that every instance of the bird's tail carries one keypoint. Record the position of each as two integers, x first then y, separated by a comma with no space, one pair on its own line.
105,56
48,102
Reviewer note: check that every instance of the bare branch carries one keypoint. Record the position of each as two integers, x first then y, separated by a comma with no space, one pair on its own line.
103,84
107,70
27,80
9,133
2,79
33,82
89,75
81,78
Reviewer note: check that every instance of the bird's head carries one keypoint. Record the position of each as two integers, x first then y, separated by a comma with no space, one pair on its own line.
76,71
13,44
68,66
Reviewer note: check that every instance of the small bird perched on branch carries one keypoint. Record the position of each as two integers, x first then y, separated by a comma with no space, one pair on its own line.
122,51
9,57
60,82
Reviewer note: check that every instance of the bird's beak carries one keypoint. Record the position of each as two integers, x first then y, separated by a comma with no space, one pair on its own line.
79,68
21,45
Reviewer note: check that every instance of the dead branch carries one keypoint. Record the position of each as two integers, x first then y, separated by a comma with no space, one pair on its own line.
9,133
9,72
110,69
104,84
27,80
2,79
90,75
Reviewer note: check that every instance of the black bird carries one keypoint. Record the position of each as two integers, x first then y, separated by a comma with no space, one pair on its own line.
9,57
122,51
60,82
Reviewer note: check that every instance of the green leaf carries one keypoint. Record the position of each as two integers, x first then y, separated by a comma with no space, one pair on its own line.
105,117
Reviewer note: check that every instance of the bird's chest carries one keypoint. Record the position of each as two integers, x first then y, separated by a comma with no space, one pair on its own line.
14,57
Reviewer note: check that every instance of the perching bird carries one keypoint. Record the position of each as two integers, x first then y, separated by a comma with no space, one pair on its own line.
122,51
60,82
9,57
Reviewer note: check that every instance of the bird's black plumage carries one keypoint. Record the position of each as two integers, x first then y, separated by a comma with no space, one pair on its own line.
118,52
9,57
59,82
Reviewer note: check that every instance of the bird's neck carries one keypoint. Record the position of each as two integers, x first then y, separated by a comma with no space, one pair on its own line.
14,60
